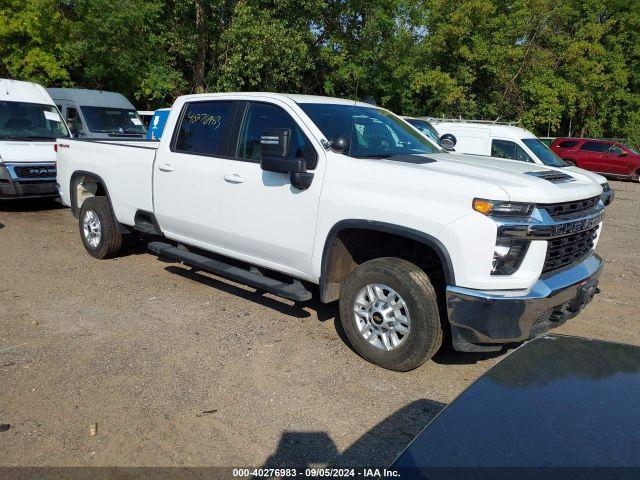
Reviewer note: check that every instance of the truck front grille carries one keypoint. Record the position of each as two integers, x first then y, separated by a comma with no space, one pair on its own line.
565,251
564,209
35,172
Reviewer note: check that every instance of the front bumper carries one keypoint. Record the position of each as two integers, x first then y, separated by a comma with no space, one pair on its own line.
483,320
14,186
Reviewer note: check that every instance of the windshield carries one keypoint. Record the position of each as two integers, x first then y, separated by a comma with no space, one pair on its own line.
112,120
426,128
543,152
373,133
30,121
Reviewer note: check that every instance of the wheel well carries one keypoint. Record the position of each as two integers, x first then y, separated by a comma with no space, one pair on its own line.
85,186
352,246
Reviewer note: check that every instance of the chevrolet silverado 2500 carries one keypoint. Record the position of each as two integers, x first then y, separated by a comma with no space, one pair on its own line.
281,192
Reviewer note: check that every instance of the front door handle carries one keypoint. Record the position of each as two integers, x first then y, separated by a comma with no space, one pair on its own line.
235,178
166,167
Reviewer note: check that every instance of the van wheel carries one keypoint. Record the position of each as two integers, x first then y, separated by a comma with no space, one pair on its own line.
389,312
98,228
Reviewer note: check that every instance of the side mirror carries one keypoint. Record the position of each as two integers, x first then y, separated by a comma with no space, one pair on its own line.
623,154
448,141
274,157
340,144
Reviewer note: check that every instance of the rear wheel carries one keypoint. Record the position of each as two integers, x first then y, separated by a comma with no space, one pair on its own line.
636,176
389,312
98,228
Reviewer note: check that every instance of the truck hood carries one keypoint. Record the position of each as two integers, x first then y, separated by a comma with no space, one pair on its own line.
594,176
517,179
15,151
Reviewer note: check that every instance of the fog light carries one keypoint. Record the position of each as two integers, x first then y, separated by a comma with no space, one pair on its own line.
508,255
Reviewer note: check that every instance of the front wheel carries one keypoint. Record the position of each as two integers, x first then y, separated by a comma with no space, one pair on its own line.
389,312
98,228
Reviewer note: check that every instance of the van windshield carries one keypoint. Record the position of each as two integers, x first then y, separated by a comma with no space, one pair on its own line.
30,121
112,120
372,132
544,153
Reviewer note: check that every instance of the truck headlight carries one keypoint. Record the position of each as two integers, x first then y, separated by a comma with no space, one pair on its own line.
498,208
508,255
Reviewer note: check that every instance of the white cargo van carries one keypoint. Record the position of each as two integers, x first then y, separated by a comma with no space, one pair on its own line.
29,126
98,114
504,140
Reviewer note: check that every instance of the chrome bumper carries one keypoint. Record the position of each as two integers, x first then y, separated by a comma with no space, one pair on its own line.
482,320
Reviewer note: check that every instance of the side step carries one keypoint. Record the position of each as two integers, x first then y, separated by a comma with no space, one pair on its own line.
293,291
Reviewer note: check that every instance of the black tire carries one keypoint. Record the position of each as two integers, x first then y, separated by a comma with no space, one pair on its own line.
636,177
110,241
413,285
570,163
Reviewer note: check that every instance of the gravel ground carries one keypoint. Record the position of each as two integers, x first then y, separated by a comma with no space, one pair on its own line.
183,369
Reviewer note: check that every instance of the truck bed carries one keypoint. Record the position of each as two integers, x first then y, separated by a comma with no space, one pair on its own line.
126,166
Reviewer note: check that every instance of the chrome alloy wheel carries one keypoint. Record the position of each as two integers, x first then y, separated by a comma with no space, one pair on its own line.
91,228
382,316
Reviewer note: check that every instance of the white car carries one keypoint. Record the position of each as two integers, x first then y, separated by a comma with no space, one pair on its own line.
303,190
500,140
29,126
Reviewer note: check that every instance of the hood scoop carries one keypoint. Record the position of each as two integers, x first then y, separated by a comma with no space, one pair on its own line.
551,176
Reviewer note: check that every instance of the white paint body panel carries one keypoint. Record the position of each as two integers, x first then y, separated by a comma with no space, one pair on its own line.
265,221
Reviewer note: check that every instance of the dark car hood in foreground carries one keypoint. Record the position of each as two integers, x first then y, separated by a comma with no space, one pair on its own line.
558,407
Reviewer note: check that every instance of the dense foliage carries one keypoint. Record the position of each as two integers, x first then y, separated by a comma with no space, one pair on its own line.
553,65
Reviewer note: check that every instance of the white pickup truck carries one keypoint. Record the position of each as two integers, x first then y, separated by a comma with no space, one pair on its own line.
281,192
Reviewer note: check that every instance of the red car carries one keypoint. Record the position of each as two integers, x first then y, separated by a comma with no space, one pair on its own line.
602,156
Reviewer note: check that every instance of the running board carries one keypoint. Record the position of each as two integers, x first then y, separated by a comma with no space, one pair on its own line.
293,291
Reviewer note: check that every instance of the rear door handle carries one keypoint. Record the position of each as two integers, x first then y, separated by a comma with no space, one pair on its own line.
166,167
235,178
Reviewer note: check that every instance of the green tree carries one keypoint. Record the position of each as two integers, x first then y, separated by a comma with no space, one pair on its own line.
33,41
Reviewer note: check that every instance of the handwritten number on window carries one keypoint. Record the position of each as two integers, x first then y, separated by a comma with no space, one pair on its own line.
205,119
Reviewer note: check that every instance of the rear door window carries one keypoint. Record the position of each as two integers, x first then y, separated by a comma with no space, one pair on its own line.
204,128
510,150
598,147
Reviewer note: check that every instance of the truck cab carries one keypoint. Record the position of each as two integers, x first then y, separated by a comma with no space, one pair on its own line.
29,126
96,114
